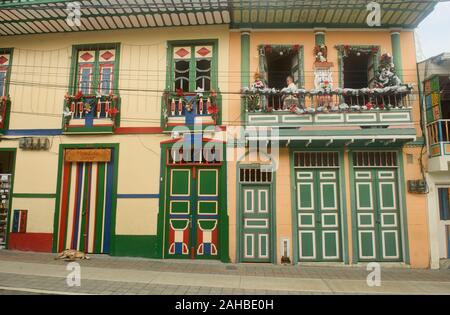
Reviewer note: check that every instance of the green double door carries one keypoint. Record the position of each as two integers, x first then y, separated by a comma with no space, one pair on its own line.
256,213
318,214
192,213
378,214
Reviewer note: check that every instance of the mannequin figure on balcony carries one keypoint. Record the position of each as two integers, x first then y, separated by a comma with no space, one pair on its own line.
289,99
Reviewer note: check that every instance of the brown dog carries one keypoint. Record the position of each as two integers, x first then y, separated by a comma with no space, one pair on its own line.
71,255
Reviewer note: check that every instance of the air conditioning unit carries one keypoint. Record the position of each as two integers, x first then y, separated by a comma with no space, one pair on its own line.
417,186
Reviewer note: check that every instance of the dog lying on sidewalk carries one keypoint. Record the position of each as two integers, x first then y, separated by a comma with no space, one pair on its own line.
71,255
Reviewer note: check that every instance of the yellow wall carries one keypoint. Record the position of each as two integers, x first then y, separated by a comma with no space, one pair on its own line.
44,61
138,173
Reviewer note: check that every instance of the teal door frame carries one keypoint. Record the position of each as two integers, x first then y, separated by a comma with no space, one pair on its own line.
342,202
239,212
401,202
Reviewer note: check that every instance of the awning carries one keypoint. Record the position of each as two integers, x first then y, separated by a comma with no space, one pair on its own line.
373,137
20,17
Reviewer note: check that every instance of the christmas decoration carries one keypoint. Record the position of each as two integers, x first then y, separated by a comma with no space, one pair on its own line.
327,98
79,106
386,75
347,50
321,53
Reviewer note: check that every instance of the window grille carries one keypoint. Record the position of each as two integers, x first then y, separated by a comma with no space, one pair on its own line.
211,156
375,159
255,175
316,159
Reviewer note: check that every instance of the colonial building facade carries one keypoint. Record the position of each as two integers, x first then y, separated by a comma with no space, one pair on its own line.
170,130
435,81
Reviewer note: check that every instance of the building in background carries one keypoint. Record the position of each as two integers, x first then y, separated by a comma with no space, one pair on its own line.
435,76
93,117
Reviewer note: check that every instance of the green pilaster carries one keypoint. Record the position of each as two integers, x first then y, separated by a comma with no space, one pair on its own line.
320,37
245,65
397,53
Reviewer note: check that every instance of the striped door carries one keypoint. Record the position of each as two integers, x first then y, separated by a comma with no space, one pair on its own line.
378,215
86,203
255,209
318,215
193,213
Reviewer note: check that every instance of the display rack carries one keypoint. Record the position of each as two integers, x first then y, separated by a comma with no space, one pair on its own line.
5,186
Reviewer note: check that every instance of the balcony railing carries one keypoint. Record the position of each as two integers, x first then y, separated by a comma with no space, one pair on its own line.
90,112
191,108
439,137
366,106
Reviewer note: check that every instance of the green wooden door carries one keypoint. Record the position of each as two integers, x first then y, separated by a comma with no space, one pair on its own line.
318,213
378,215
256,212
192,213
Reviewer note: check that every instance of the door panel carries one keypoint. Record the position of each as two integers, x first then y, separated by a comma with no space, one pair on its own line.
255,209
378,215
318,214
86,206
193,211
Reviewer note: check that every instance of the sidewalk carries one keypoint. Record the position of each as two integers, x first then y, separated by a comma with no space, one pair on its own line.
40,273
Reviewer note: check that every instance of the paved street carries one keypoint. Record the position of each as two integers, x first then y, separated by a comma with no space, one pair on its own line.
37,273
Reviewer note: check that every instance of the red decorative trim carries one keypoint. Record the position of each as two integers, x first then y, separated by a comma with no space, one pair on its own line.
37,242
135,130
181,139
183,124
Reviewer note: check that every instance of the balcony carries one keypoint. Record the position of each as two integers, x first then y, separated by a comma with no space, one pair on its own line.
439,138
191,109
439,145
382,107
91,114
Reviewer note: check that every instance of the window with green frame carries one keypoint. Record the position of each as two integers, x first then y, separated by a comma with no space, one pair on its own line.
193,66
5,65
95,69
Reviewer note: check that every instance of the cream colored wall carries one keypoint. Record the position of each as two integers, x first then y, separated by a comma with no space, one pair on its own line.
138,173
137,216
40,213
41,64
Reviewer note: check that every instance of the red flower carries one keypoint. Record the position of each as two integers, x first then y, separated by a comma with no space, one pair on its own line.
78,95
180,92
113,111
381,106
369,105
374,50
268,48
296,48
213,110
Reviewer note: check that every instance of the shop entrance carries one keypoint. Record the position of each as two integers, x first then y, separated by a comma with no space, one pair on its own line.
86,197
6,173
